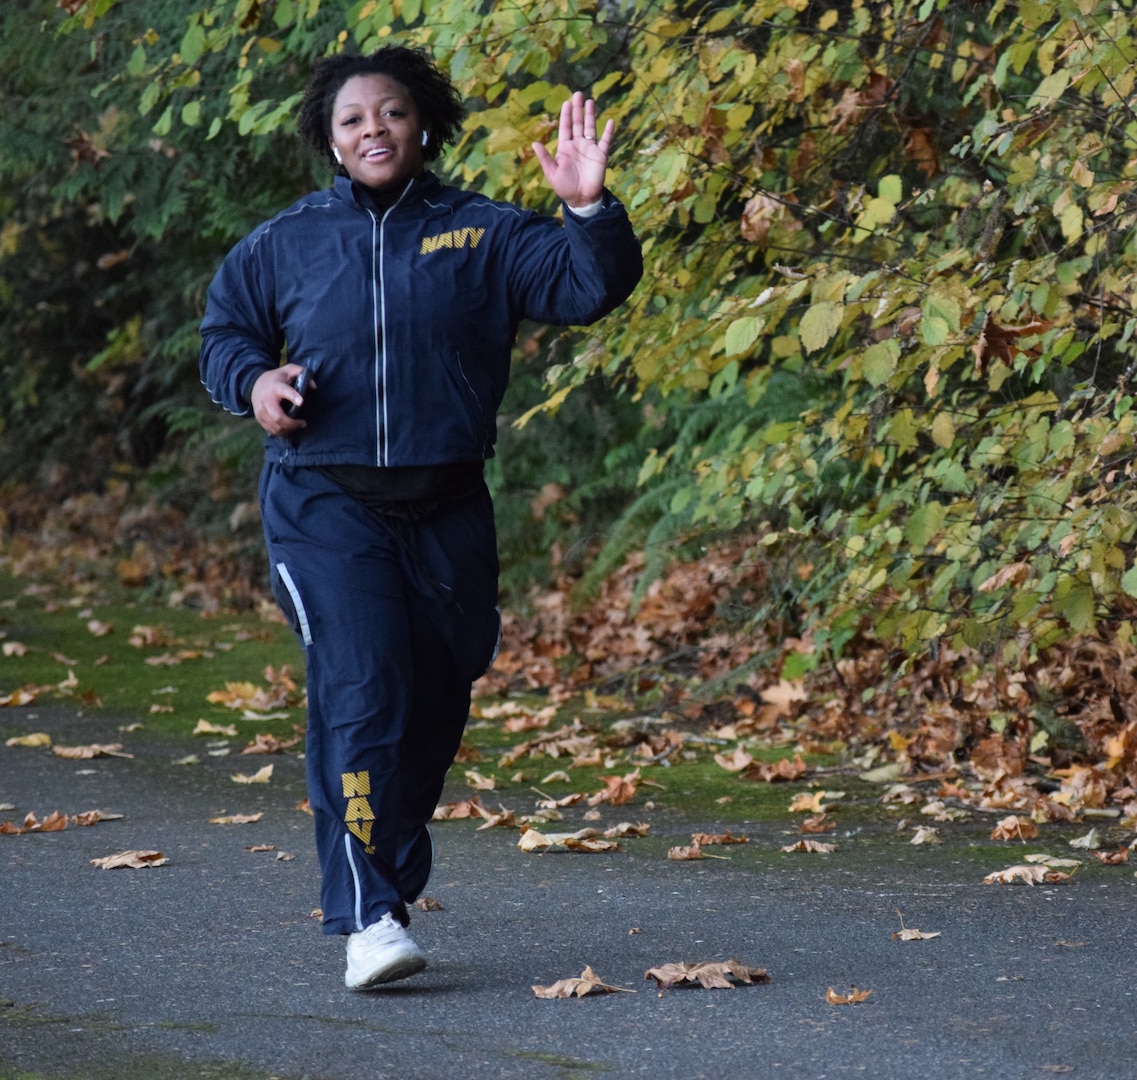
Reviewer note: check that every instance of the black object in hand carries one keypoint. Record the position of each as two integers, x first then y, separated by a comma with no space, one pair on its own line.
291,409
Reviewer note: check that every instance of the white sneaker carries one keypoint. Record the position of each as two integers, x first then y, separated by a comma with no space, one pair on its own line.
381,953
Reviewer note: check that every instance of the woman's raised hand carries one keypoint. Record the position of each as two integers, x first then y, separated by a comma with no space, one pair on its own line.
576,172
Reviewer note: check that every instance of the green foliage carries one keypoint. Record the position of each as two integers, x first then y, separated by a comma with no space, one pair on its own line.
887,319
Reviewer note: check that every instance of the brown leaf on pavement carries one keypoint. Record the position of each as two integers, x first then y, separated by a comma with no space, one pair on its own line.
818,823
710,839
588,983
266,743
587,840
504,819
1112,858
854,997
627,828
236,819
429,903
814,846
709,974
131,860
459,810
93,817
684,854
1029,874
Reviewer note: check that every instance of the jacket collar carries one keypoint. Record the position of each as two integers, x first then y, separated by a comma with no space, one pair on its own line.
351,193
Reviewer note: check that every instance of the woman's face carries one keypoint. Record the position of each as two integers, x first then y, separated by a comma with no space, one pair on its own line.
377,131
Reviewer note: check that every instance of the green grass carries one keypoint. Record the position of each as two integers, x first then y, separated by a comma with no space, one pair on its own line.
111,674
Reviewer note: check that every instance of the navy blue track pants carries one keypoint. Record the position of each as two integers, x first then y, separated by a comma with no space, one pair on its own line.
397,619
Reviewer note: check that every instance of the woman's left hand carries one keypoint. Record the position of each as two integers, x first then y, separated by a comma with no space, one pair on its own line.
576,173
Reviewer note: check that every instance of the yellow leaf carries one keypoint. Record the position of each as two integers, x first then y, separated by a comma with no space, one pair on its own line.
37,738
943,430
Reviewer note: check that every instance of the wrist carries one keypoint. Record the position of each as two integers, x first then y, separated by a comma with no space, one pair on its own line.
589,209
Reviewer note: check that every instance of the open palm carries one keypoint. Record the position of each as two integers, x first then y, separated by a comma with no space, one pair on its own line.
576,172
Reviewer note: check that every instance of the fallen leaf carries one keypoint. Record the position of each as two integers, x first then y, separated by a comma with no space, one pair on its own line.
586,840
261,776
709,974
25,695
710,839
131,860
305,807
588,983
237,819
818,823
504,819
204,727
36,738
618,790
265,743
429,903
915,935
1112,858
627,828
549,802
93,817
767,773
804,802
1051,861
905,934
457,811
262,847
557,777
479,782
736,761
14,648
925,834
95,750
1029,874
100,629
852,998
1013,827
816,846
1091,840
683,854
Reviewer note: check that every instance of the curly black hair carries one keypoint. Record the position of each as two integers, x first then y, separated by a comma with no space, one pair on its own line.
438,104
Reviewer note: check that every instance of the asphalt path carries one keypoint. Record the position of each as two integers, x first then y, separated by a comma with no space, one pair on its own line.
214,966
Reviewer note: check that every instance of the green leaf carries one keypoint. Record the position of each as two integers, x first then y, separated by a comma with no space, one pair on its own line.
879,361
742,333
819,325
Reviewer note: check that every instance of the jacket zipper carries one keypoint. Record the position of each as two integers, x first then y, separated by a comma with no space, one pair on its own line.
378,378
379,302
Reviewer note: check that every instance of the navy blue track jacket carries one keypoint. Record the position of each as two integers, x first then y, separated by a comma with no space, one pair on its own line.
407,318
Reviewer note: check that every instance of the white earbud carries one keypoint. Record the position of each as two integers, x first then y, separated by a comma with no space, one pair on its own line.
336,154
425,138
